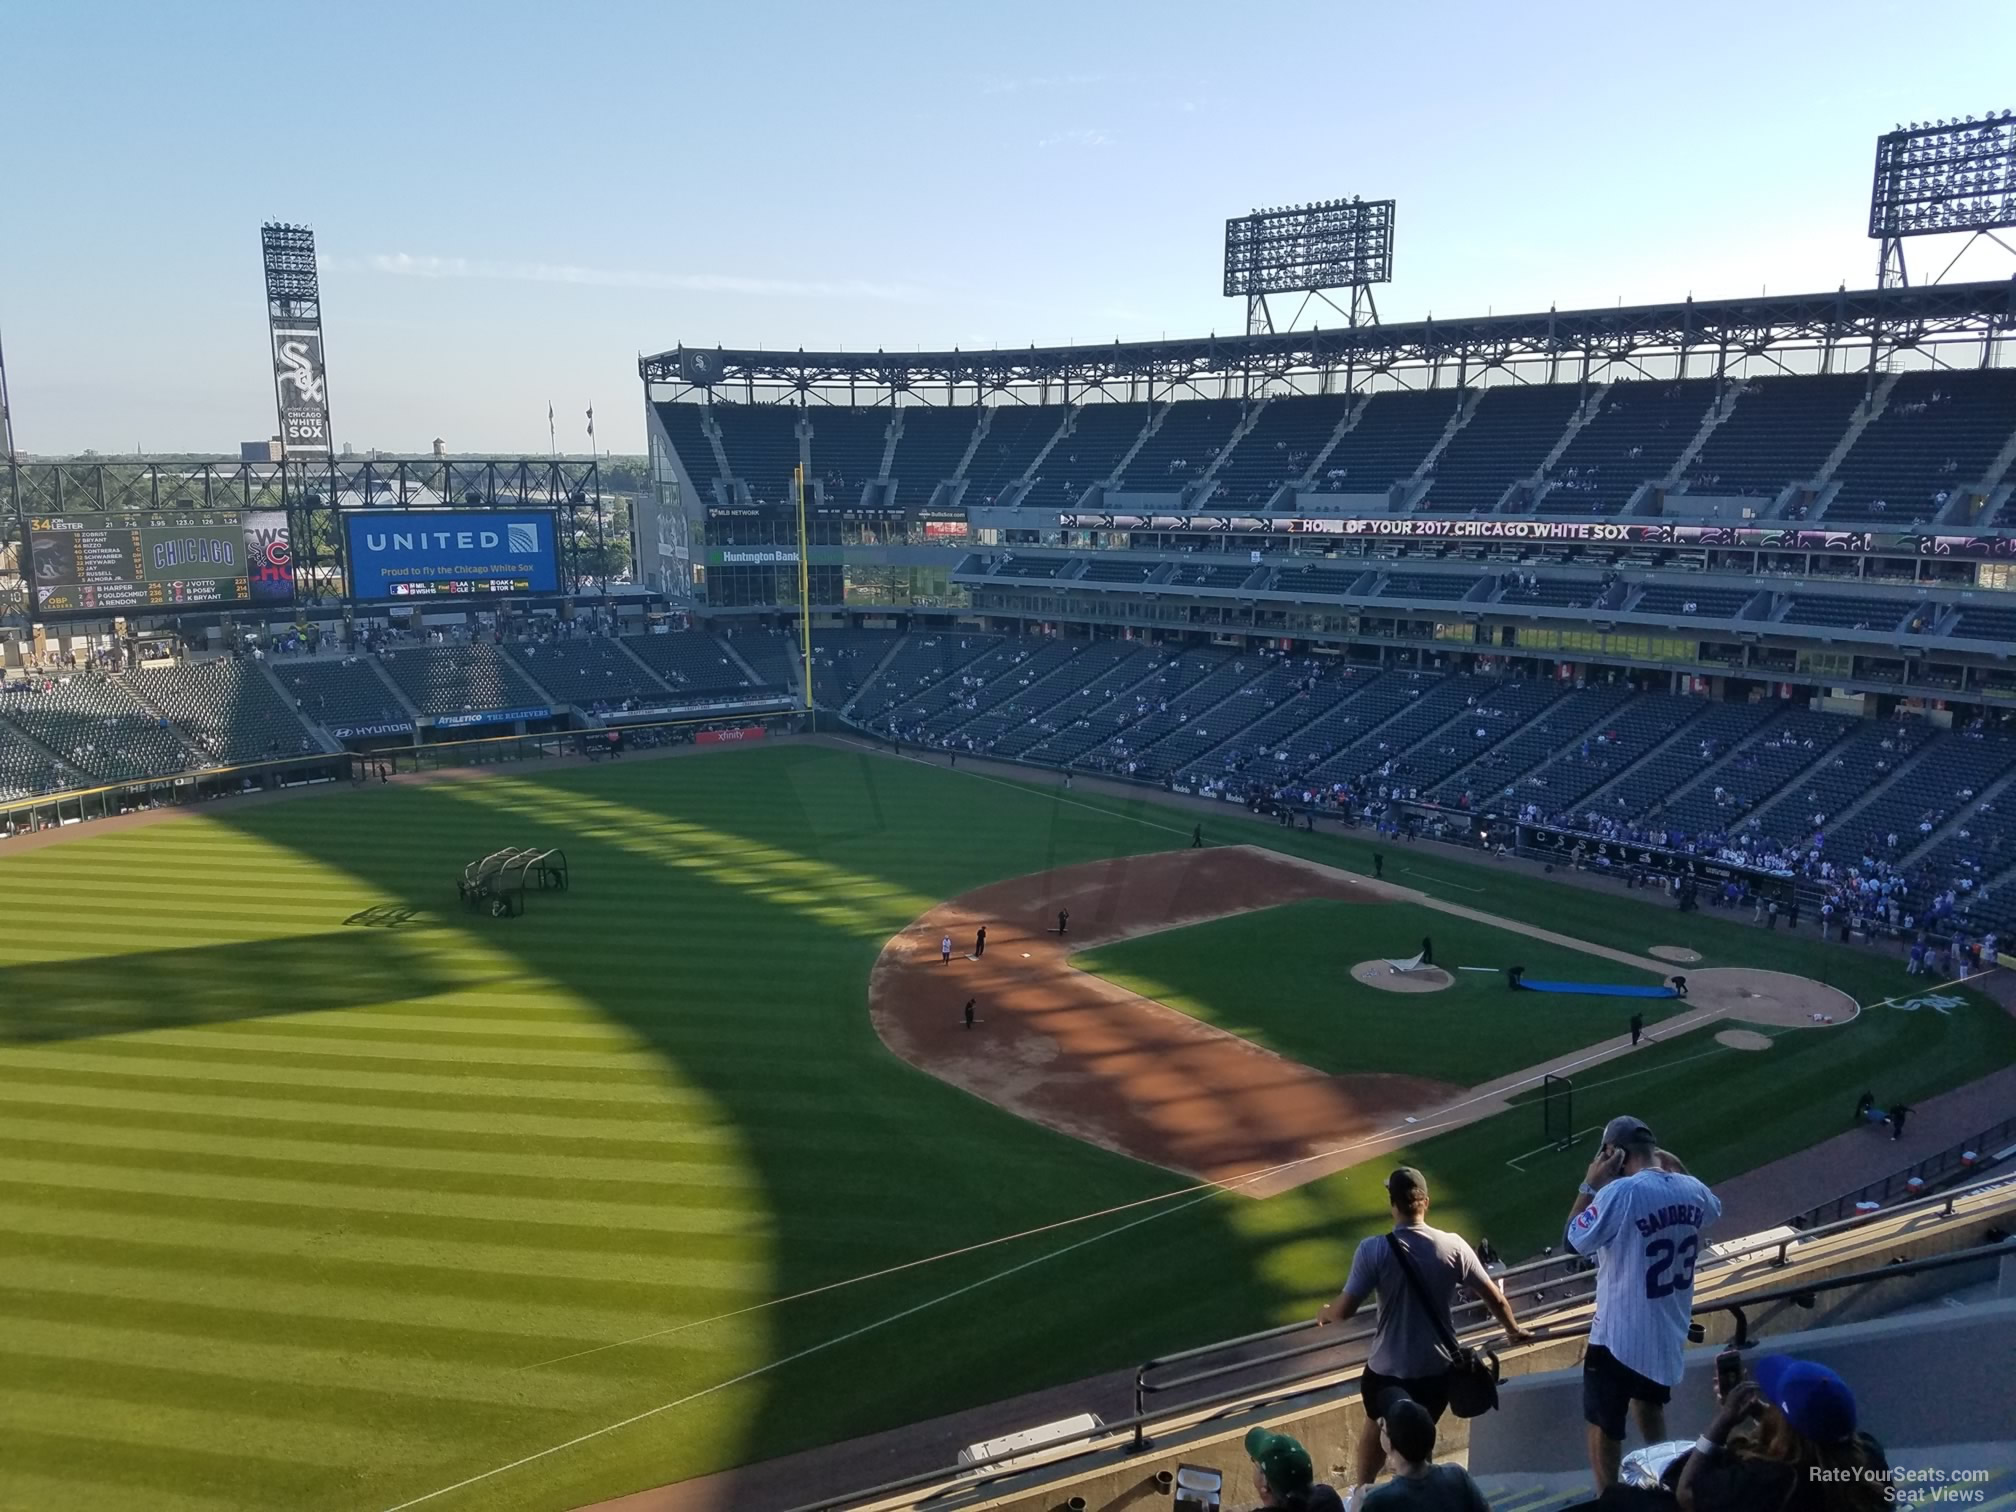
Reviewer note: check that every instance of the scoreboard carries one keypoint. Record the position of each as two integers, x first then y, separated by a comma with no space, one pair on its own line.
142,561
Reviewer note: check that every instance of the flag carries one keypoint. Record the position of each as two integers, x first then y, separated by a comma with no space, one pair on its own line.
549,414
591,419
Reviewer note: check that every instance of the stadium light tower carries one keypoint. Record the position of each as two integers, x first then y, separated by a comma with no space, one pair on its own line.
1948,176
1310,250
294,321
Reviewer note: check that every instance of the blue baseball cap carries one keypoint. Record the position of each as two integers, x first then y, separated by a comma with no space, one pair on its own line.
1813,1399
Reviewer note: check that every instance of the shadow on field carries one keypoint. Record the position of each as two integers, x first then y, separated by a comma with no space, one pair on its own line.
50,1001
726,911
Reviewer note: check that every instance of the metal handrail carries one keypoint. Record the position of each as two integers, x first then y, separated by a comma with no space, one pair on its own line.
1931,1168
1528,1280
974,1476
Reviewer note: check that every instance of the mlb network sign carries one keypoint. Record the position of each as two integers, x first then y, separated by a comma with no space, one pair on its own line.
471,551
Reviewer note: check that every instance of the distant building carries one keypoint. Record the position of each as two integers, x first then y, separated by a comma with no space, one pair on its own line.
260,451
440,447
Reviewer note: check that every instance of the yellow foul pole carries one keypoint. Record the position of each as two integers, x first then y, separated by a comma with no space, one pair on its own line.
804,588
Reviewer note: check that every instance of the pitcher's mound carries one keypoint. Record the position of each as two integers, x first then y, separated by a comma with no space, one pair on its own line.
1386,979
1743,1039
1679,953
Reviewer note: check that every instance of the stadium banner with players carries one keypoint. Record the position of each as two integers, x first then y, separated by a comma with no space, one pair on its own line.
1595,532
449,552
301,385
1547,843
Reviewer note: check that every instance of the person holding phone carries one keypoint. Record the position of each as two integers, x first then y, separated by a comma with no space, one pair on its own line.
1785,1437
1641,1216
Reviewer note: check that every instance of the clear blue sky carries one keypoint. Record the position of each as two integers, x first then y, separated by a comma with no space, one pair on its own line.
512,199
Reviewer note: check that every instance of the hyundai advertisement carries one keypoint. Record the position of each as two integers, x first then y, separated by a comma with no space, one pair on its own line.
432,554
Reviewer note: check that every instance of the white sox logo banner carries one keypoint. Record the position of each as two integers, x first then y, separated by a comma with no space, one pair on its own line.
302,386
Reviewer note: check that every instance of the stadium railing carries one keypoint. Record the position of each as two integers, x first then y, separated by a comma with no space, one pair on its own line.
51,810
179,789
979,1479
1527,1283
1965,1158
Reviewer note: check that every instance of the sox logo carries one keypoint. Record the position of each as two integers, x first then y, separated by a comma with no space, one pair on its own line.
294,356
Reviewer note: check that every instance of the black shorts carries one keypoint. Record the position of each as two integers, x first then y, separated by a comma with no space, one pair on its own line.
1609,1387
1432,1392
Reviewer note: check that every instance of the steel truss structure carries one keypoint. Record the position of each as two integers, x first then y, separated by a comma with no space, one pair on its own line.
1953,325
315,492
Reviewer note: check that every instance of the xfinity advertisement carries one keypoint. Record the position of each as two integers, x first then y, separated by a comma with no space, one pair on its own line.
431,554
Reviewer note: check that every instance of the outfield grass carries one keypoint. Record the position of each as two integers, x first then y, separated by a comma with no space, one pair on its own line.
307,1213
1281,977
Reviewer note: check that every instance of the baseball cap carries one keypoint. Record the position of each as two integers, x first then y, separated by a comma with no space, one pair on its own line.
1626,1130
1814,1400
1281,1459
1406,1184
1409,1428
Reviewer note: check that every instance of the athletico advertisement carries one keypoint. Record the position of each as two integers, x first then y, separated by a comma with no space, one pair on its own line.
431,554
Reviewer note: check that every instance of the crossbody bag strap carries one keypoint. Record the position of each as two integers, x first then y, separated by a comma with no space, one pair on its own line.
1421,1295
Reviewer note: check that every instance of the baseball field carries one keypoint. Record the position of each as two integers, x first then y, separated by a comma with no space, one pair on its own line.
319,1192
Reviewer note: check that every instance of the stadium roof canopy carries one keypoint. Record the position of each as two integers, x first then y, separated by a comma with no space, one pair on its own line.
1713,333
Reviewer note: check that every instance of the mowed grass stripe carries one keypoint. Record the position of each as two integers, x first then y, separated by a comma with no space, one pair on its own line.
587,1086
28,1176
254,1042
527,1170
165,1051
412,1381
367,1342
84,1487
87,1410
445,1296
293,1143
692,1236
502,1116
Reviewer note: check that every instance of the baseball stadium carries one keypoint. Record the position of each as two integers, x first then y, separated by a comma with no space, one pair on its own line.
911,992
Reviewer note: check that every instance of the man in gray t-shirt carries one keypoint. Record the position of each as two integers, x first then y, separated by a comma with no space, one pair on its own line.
1407,1349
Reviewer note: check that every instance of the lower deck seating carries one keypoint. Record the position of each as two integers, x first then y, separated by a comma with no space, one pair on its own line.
465,678
342,693
227,709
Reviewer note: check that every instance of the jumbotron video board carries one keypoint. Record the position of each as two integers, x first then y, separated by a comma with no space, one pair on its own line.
450,552
87,562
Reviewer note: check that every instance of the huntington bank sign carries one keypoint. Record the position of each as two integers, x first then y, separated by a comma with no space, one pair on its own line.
419,553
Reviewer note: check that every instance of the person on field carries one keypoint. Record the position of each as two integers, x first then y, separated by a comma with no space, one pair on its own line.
1378,866
969,1011
1641,1217
1427,950
1407,1349
1197,838
945,950
980,943
1063,920
1637,1029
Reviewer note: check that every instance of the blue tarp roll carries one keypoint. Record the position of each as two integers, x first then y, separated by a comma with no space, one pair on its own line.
1596,989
